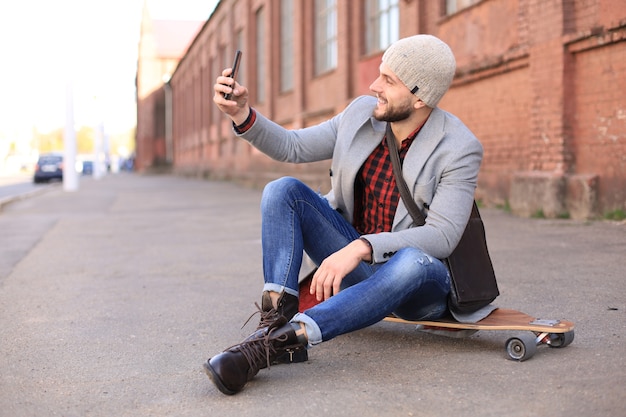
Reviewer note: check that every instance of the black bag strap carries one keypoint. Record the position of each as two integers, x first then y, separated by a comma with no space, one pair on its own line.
405,194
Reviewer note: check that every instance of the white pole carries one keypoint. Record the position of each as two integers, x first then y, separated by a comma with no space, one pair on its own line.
98,164
70,176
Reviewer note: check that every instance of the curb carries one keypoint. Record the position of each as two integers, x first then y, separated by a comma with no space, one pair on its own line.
5,201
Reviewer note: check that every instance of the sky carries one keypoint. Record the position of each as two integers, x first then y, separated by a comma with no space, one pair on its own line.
46,45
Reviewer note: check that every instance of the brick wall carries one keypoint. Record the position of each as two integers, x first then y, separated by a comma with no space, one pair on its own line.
598,116
540,82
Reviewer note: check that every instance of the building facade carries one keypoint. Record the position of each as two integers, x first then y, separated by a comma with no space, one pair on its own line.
162,44
541,83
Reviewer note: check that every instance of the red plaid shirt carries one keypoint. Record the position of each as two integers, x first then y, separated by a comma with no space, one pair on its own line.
376,195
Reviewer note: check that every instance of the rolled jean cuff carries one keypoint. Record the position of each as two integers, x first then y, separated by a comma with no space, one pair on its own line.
279,288
313,332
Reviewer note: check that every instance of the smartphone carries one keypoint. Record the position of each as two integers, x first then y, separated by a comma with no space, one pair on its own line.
233,74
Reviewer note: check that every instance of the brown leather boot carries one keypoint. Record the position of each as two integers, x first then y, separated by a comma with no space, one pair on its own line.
287,308
233,368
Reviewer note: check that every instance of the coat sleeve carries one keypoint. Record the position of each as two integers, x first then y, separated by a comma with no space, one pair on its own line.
311,144
315,143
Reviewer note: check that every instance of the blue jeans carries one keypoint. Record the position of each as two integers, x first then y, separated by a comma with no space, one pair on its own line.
412,284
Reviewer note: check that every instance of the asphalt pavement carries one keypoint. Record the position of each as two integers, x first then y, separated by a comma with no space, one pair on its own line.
112,297
16,185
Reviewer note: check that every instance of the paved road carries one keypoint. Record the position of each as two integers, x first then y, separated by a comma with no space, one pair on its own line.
111,298
17,188
13,184
17,185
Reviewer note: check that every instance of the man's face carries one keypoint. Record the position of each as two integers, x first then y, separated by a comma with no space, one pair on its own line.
395,101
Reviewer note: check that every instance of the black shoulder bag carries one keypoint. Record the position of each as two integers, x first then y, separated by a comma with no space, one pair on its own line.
473,279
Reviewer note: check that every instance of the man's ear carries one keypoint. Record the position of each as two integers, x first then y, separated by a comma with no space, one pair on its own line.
419,104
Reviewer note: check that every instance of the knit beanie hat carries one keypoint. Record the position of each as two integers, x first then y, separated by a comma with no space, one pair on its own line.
425,64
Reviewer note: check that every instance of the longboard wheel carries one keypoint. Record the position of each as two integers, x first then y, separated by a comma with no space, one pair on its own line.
521,348
560,340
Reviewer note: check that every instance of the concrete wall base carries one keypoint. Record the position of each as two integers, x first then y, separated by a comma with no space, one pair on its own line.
554,195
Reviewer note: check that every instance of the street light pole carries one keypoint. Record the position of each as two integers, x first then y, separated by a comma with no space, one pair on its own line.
70,176
99,163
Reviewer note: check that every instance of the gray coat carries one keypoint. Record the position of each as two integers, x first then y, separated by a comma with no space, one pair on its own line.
440,168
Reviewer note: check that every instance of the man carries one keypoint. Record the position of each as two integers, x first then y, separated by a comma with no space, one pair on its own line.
371,261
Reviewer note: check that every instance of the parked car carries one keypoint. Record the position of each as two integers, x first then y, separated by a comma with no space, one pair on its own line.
49,167
87,167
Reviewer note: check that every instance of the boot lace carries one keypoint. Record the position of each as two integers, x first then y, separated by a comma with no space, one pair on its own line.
258,351
266,319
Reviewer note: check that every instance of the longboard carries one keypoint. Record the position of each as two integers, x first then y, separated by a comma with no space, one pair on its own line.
554,333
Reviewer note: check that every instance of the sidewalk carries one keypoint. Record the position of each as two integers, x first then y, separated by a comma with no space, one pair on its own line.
112,297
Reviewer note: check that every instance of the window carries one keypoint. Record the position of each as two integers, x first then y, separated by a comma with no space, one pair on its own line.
286,45
325,35
382,25
241,74
453,6
260,55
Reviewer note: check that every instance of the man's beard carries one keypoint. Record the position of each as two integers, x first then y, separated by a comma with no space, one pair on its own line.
393,114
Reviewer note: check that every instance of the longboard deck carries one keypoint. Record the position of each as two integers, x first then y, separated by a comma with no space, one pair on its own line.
554,333
499,319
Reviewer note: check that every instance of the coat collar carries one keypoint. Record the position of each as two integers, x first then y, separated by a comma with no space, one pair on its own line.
368,136
424,145
372,131
421,149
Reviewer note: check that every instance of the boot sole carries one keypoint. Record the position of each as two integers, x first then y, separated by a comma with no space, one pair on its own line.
216,379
